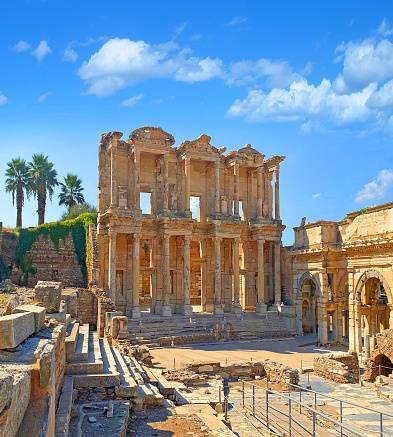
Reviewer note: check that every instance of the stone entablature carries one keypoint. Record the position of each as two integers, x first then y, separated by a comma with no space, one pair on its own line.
343,276
237,220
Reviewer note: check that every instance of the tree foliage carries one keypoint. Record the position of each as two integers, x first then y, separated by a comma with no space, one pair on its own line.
76,210
71,191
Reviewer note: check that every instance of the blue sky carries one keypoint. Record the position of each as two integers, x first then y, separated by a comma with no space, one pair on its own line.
309,80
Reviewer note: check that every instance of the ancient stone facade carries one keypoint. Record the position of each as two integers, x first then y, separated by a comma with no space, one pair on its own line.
226,258
343,277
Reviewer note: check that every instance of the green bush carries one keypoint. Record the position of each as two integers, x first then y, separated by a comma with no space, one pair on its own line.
79,229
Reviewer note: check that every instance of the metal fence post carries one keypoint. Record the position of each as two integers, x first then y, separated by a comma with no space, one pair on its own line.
267,407
300,405
219,395
315,402
253,400
290,418
381,424
313,423
341,418
243,392
226,408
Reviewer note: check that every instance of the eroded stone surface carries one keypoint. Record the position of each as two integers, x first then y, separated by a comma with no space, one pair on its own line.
49,293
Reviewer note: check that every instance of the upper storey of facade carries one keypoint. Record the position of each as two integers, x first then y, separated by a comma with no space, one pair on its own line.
236,186
360,228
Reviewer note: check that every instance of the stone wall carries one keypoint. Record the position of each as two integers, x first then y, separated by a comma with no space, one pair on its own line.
50,264
382,353
286,273
105,305
338,368
8,243
93,262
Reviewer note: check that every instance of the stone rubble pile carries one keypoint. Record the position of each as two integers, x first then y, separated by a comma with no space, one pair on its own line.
140,353
341,368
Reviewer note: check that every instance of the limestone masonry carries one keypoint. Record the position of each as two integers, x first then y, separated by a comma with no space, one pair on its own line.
232,246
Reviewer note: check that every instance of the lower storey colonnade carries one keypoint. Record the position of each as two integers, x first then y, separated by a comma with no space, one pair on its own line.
174,274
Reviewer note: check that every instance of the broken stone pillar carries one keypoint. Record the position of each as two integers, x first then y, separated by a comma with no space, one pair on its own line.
367,346
166,278
236,308
217,277
187,308
119,327
49,293
109,318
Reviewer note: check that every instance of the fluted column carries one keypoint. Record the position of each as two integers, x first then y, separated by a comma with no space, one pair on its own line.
261,305
187,308
260,190
137,158
166,186
217,276
236,307
187,169
135,311
277,273
166,278
112,264
217,187
236,189
276,194
113,177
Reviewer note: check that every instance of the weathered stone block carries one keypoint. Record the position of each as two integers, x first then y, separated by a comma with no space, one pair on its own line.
49,293
119,327
38,312
15,328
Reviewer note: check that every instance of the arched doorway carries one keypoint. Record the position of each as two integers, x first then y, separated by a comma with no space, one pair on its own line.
383,364
309,306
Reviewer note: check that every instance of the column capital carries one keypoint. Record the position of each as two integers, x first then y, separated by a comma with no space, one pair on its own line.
112,232
217,240
237,240
187,238
137,237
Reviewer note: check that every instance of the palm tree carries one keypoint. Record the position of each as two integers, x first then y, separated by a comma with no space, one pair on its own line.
71,191
44,180
18,182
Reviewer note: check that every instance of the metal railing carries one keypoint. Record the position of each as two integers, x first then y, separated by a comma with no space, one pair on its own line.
260,402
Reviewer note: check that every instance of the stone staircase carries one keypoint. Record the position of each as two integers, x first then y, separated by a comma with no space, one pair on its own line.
92,363
154,331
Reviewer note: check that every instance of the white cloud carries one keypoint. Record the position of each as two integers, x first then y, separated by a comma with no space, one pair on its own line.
70,55
277,73
121,62
133,101
21,46
314,196
385,29
43,97
179,29
196,36
42,50
364,63
236,20
378,188
3,99
303,101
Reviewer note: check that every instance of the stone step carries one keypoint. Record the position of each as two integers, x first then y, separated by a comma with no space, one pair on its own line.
165,386
82,346
110,376
94,362
128,387
72,338
63,411
150,395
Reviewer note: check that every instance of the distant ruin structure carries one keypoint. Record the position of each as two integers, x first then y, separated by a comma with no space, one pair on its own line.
225,259
343,277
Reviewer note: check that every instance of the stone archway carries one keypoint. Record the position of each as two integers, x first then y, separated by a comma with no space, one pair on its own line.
368,274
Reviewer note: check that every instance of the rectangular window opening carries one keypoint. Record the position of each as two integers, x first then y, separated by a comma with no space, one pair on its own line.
195,207
146,203
241,211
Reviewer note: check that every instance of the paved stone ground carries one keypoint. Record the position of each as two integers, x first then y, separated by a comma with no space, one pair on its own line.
287,352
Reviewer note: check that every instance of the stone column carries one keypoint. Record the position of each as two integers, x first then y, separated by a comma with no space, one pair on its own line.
217,187
166,186
187,308
236,190
166,280
112,264
260,190
358,329
236,307
322,310
135,311
261,305
113,177
276,194
217,276
137,158
277,273
187,169
367,350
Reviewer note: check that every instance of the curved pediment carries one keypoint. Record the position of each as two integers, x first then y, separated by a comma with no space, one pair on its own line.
201,144
149,133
